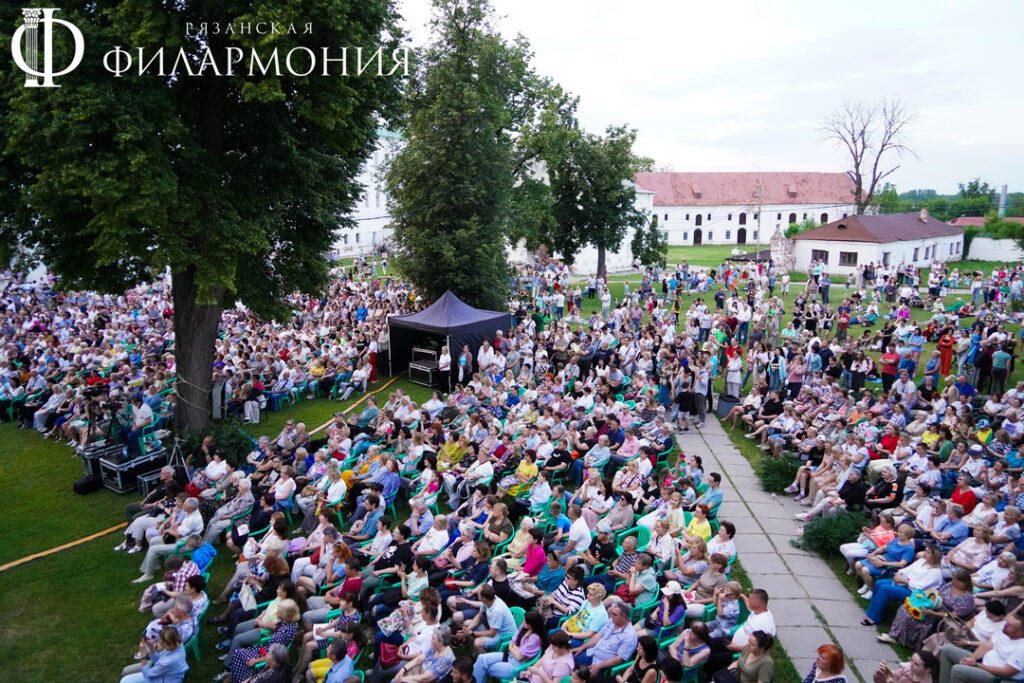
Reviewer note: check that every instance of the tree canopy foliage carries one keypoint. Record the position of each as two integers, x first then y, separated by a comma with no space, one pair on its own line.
595,198
467,182
237,183
649,245
795,229
975,198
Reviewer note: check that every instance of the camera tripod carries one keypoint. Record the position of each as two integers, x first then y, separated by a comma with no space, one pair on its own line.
176,459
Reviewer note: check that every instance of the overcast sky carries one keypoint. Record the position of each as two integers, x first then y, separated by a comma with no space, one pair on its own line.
729,85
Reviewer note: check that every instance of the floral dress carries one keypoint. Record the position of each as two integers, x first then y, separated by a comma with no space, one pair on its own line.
814,672
910,632
240,669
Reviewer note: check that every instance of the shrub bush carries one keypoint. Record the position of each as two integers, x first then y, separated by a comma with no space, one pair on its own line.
824,535
776,475
227,436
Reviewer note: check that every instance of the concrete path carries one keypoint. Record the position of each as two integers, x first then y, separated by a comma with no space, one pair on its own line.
810,606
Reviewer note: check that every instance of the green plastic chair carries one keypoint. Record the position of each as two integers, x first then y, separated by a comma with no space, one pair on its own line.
518,613
637,612
521,667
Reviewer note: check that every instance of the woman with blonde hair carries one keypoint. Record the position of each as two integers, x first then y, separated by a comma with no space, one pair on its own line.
243,661
164,662
691,563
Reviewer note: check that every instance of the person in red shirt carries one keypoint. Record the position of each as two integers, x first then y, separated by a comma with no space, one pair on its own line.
890,364
963,495
945,351
887,442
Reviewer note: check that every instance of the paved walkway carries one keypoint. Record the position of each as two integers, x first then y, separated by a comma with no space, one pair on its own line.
810,606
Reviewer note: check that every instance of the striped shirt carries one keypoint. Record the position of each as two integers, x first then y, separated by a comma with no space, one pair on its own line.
571,598
625,563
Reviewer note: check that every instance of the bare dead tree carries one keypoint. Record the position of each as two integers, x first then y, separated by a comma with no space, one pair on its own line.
872,135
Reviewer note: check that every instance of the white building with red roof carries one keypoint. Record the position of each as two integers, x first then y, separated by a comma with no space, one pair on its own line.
722,208
848,244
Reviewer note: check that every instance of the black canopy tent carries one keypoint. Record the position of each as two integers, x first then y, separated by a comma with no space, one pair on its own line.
448,318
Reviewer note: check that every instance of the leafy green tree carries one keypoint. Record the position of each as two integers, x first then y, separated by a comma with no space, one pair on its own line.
939,208
234,182
1003,229
1015,204
479,121
543,133
889,200
649,245
918,195
594,194
795,229
975,189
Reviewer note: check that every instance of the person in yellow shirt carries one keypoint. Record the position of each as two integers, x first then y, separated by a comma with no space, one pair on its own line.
453,451
699,527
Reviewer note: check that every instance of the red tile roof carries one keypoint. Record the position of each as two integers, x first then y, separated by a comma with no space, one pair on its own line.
979,221
740,189
894,227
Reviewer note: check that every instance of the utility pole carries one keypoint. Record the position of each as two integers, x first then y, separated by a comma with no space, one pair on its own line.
1002,203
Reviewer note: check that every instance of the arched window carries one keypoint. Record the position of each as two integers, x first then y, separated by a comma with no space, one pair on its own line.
824,218
792,218
743,219
700,219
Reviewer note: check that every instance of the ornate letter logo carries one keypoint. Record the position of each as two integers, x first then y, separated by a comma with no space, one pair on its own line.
28,59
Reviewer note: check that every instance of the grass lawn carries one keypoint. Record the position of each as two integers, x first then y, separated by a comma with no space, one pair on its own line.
964,267
74,615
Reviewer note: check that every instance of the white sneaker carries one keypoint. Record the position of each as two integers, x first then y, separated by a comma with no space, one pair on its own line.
862,590
867,596
121,547
143,579
849,572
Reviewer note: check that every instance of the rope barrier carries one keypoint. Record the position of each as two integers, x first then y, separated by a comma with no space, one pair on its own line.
72,544
122,525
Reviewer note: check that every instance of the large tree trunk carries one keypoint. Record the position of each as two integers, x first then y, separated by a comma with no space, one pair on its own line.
195,332
601,273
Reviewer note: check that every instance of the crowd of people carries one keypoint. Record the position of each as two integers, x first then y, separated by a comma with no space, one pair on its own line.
572,545
927,446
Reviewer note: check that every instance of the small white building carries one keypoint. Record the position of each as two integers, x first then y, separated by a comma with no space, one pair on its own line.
372,220
722,208
892,239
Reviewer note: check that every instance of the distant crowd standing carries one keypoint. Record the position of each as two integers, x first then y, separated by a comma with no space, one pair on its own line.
573,546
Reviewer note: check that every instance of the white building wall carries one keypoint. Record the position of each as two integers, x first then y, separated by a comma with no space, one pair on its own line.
989,249
723,223
371,212
918,252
